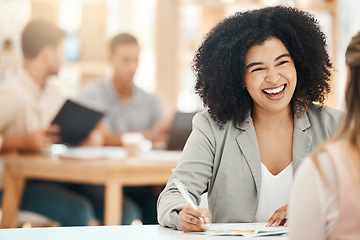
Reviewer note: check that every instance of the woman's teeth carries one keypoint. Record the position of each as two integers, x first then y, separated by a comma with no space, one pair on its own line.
274,90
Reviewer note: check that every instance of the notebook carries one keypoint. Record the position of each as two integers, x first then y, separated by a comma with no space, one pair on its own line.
76,122
180,131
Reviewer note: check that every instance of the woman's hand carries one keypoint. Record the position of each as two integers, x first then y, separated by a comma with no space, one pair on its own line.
190,219
278,218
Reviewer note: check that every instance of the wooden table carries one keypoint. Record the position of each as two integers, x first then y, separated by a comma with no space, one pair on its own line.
113,174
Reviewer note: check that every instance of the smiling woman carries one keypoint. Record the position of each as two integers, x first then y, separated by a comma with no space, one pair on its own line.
258,73
270,76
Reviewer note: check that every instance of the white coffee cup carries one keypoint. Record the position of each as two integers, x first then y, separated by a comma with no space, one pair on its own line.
131,142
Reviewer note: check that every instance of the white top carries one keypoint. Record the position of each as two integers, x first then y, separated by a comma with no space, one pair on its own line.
25,107
274,192
313,208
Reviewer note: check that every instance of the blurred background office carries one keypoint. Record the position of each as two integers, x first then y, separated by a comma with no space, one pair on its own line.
168,31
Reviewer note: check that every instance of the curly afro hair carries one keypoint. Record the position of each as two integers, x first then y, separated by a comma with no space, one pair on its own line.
219,64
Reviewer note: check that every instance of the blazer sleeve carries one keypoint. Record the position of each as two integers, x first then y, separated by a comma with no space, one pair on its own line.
326,122
193,170
334,120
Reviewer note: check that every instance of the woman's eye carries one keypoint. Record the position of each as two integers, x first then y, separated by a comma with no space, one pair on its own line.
282,62
257,69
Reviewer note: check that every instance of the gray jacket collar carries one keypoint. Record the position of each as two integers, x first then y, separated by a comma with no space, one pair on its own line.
301,123
248,145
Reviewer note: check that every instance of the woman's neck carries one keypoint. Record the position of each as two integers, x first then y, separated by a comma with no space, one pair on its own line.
269,119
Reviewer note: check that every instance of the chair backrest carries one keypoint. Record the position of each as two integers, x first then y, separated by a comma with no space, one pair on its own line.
180,131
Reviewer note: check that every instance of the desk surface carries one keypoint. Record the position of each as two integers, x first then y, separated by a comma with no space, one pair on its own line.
109,232
153,168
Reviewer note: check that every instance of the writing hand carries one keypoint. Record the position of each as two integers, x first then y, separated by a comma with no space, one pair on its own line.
190,219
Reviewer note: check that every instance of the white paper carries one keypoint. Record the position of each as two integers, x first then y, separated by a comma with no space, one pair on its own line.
245,230
118,153
161,155
94,153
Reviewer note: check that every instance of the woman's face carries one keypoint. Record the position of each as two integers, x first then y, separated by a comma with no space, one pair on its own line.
270,75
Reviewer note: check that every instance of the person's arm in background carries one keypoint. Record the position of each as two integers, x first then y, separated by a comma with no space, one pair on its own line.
35,141
12,112
95,138
110,138
159,133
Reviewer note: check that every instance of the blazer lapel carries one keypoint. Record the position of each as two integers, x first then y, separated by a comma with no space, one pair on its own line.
301,140
248,145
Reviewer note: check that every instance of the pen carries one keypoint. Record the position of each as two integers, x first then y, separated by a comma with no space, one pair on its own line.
186,196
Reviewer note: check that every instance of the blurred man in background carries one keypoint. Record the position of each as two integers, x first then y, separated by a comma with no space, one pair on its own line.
28,104
127,108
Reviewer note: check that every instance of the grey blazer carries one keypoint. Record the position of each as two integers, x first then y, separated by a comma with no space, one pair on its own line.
227,162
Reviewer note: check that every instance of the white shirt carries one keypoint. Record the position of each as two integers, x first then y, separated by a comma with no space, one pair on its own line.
25,107
274,193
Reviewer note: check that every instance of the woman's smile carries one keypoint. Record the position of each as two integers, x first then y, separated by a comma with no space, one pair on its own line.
276,93
270,76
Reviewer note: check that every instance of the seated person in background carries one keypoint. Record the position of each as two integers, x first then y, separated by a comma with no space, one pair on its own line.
326,194
258,72
28,104
127,108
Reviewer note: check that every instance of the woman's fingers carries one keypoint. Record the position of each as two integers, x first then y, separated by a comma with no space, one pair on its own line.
189,223
286,223
190,219
278,218
205,214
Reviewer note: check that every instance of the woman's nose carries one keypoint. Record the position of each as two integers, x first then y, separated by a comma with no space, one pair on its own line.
273,76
